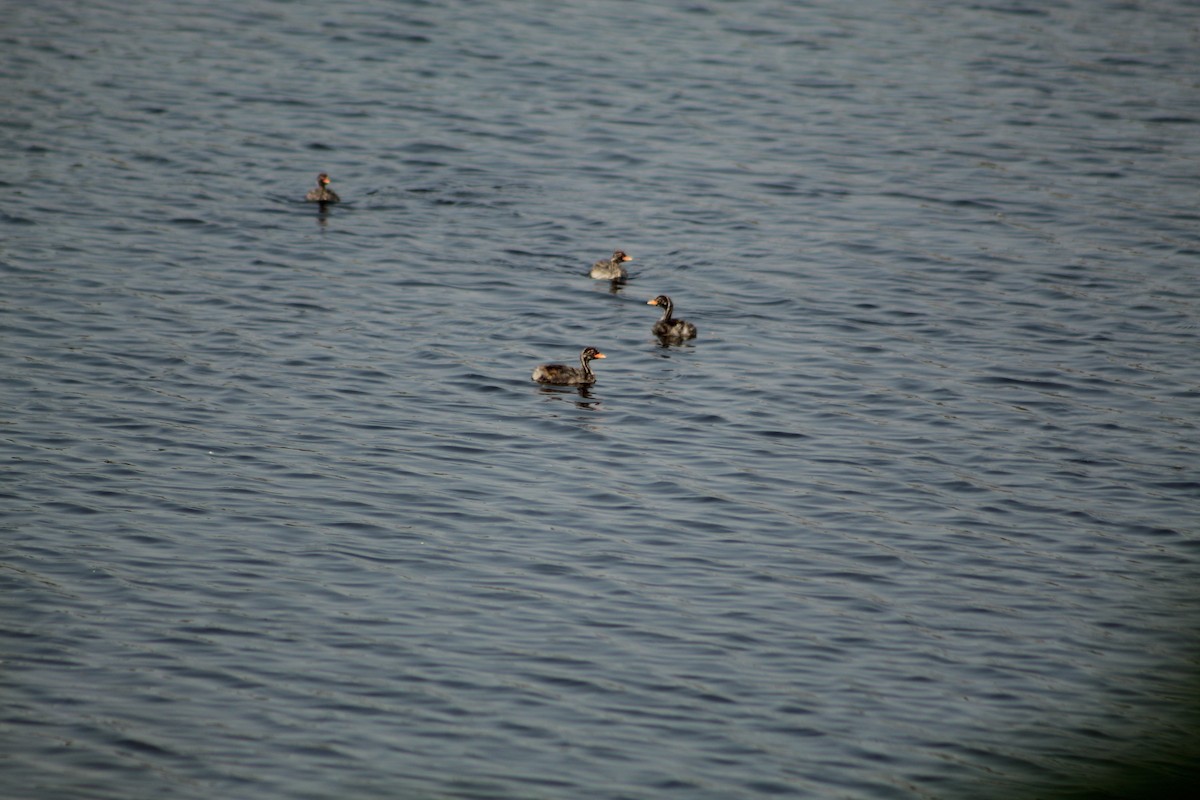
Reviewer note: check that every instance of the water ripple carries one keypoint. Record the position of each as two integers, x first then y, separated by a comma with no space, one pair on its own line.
284,515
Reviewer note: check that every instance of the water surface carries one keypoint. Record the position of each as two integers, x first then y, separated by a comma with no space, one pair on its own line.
284,516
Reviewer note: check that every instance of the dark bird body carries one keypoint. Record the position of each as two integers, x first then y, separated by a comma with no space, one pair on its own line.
322,193
667,328
562,375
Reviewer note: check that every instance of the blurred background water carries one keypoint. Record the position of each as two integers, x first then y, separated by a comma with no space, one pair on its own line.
284,517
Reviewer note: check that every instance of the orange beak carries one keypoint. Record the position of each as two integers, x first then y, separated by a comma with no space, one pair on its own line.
627,257
599,355
651,302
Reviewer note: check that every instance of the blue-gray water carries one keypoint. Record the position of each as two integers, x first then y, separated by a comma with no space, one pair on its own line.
284,517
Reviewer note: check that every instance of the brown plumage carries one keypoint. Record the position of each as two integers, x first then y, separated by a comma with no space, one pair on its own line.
322,193
610,268
668,328
562,375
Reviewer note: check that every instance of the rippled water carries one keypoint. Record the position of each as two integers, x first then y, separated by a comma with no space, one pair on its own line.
284,516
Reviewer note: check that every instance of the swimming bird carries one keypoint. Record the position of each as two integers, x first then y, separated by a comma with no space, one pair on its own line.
667,328
610,268
562,375
322,194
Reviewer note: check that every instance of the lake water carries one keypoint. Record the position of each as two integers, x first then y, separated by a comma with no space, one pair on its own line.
914,516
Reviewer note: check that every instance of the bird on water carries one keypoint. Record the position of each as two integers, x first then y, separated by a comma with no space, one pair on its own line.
610,268
562,375
675,330
322,193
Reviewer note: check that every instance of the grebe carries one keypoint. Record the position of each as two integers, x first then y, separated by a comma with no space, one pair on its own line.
322,194
562,375
667,328
610,268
